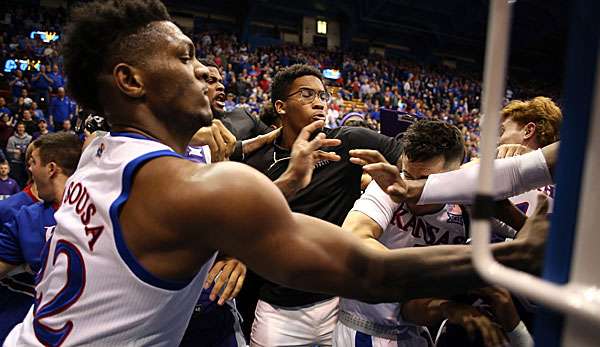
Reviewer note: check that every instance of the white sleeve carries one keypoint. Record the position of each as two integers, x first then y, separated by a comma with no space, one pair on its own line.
520,336
376,204
512,176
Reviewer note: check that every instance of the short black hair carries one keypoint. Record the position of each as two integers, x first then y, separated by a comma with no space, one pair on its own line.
427,139
284,79
62,148
208,62
102,34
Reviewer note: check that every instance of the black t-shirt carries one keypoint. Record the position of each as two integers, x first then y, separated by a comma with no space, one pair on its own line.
243,126
334,188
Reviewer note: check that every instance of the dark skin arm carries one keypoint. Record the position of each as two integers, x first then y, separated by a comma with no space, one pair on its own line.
237,210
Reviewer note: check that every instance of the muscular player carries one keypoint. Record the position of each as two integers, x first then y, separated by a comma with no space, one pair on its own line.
139,225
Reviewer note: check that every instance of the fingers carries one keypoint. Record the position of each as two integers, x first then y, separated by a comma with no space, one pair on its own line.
542,205
212,274
366,156
309,129
331,156
220,143
234,283
382,168
222,280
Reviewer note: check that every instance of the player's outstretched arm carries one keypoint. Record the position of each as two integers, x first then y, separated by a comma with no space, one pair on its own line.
512,176
244,215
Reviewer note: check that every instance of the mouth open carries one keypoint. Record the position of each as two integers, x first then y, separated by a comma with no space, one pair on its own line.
220,100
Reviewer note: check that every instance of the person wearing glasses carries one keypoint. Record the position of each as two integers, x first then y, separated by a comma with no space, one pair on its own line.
285,316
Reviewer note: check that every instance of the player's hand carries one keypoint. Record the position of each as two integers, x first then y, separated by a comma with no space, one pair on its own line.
305,154
251,145
473,321
501,305
507,151
231,273
535,232
220,140
387,176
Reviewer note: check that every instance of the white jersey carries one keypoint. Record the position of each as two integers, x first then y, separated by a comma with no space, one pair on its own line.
527,201
92,291
402,229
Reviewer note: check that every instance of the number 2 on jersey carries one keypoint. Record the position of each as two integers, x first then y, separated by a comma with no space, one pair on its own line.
66,297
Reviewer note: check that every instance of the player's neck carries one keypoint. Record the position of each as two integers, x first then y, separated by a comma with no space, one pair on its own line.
177,142
288,137
4,177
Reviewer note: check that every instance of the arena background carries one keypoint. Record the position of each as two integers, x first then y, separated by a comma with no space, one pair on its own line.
421,57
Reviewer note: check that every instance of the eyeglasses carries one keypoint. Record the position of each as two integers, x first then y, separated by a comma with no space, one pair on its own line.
308,95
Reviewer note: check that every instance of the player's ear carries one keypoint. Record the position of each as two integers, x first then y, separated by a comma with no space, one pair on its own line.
530,129
129,80
52,169
279,108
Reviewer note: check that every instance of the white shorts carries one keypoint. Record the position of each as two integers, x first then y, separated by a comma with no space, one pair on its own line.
299,326
344,336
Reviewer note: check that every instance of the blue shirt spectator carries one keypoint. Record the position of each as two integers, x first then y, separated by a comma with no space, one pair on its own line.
57,77
60,108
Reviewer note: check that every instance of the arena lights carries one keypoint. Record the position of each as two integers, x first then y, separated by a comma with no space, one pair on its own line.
322,27
332,74
22,64
46,36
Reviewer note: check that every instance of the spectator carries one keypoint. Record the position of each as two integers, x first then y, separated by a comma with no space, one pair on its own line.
6,129
60,108
42,129
3,108
66,127
57,78
8,186
30,123
42,83
15,150
17,84
37,113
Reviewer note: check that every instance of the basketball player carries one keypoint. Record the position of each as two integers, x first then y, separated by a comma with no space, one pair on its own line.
428,147
532,124
53,159
139,226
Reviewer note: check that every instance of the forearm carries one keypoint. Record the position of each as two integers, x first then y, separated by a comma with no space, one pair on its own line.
288,185
512,176
510,214
442,271
425,312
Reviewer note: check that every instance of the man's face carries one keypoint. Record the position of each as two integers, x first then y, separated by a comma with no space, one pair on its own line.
40,175
2,102
55,68
61,92
43,126
216,90
67,125
511,133
416,170
42,68
20,129
175,81
300,111
26,115
4,170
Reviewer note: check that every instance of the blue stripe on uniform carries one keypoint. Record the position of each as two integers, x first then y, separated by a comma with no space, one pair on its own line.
362,340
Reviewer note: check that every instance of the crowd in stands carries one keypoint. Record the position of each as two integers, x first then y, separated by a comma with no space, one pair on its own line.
34,101
36,97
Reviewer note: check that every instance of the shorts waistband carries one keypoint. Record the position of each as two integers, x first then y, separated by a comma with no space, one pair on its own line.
401,333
